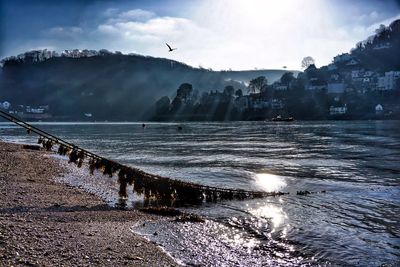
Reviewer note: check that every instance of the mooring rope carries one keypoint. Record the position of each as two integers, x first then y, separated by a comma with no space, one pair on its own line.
150,185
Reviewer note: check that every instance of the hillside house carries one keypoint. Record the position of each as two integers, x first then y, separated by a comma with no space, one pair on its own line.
334,77
357,76
337,110
5,105
378,109
276,104
388,81
382,46
280,87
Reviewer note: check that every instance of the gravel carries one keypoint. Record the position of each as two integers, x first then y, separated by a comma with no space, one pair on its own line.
45,223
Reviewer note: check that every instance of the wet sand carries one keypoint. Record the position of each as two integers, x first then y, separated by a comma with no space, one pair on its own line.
45,223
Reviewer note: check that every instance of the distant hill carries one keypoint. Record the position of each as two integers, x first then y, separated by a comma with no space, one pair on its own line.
111,86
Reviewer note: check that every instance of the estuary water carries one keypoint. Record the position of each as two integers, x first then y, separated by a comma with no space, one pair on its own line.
355,222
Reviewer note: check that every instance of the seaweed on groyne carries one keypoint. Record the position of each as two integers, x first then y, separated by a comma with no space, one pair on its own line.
150,186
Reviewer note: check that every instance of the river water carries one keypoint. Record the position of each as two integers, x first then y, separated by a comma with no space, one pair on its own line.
356,222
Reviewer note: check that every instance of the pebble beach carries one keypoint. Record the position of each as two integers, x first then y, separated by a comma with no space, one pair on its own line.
46,223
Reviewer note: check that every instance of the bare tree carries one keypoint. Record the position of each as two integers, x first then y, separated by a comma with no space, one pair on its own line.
306,62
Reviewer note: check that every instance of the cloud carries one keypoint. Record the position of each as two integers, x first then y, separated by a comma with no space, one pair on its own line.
136,14
64,32
161,27
130,15
227,33
151,34
271,34
109,12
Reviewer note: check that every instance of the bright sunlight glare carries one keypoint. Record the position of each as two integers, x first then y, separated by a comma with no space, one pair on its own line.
269,182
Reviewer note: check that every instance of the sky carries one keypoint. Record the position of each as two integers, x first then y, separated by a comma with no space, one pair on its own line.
217,34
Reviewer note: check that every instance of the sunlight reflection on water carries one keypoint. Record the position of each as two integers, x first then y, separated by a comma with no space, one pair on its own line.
270,212
269,182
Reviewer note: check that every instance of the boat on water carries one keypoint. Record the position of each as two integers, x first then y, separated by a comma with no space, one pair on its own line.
279,118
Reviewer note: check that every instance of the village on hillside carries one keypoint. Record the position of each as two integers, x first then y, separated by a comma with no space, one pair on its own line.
341,90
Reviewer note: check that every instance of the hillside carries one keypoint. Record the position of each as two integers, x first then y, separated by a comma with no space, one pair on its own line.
381,51
362,84
111,86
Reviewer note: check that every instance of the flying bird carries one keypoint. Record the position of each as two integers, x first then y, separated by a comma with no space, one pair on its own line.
170,48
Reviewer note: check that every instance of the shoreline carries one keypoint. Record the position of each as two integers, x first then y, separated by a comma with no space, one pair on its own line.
201,121
47,223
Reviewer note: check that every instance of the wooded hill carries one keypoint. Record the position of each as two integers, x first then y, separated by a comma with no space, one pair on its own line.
109,86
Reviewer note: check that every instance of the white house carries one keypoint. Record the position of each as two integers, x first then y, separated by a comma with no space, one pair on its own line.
338,110
34,110
382,46
388,82
381,83
276,104
281,87
368,73
356,74
5,105
378,109
335,77
315,87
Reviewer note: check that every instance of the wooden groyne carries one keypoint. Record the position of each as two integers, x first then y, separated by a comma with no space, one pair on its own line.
150,186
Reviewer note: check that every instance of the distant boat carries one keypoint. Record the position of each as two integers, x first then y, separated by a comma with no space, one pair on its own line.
279,118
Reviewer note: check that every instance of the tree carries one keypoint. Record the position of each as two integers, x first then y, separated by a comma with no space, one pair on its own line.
184,91
239,93
287,77
257,85
306,62
380,30
176,105
229,90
